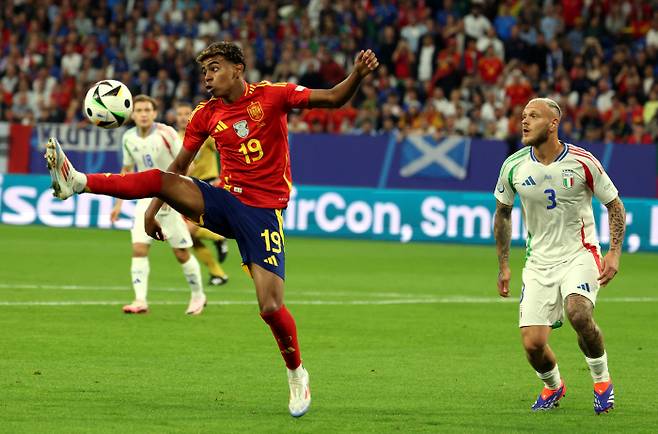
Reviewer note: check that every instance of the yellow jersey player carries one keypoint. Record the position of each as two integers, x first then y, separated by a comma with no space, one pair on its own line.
204,167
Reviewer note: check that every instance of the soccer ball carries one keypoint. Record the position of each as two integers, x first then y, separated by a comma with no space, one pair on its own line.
108,104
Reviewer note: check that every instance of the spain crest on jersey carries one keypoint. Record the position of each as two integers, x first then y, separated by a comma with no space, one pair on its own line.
241,128
255,111
567,178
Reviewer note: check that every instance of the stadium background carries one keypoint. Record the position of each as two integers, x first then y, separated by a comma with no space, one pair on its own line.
439,115
413,157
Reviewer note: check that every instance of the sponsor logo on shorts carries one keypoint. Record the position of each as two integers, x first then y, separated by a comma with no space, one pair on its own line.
584,287
272,261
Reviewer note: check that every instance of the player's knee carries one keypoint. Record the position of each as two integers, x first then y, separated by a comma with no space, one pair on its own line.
270,302
534,344
580,319
140,250
269,306
182,255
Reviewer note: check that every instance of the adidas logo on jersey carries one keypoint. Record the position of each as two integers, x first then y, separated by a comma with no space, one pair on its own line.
529,181
221,126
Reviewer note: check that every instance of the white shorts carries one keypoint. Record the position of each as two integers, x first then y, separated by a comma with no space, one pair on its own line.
546,287
173,226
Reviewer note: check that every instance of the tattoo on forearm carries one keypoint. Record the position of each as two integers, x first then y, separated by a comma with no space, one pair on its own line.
503,232
617,223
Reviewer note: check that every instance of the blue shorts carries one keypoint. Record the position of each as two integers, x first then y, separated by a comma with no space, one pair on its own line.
258,231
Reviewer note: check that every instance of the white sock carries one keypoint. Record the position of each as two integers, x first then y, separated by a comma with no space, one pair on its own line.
297,372
192,272
79,181
140,274
551,378
599,368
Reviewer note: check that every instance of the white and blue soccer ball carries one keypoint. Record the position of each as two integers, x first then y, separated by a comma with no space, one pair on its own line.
108,104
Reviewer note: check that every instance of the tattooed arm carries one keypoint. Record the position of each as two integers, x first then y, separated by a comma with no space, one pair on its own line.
617,223
503,235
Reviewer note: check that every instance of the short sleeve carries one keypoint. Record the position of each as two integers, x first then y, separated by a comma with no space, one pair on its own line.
197,131
604,190
597,179
505,191
296,96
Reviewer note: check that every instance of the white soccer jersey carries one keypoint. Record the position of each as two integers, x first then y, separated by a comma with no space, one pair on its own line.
155,151
556,200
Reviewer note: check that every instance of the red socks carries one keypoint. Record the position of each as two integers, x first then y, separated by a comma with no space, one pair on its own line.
284,330
129,186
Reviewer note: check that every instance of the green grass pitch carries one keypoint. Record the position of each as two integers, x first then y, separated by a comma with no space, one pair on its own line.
396,337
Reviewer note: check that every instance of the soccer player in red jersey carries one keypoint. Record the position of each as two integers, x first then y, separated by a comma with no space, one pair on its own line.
248,123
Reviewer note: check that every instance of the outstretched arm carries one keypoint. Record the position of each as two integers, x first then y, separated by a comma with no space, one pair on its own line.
365,63
503,235
617,223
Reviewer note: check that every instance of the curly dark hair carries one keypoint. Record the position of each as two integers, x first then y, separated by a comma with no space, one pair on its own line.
228,50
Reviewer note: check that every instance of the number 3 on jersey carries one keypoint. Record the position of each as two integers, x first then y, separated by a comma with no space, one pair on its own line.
550,193
252,151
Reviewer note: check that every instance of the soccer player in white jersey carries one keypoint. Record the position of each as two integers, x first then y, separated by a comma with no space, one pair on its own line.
152,145
564,269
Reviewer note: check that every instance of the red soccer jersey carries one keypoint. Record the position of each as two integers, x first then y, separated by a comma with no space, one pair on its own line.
251,136
490,69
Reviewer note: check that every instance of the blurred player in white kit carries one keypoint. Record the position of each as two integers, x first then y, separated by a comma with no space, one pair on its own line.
152,145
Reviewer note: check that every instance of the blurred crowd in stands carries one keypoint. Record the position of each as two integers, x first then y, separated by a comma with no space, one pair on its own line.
447,67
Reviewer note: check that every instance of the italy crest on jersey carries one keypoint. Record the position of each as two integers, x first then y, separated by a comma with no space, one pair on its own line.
567,178
241,128
255,111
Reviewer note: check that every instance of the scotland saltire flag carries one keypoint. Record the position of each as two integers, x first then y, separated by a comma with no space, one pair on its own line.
424,156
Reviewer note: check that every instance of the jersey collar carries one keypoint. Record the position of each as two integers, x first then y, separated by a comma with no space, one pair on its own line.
560,157
148,133
564,152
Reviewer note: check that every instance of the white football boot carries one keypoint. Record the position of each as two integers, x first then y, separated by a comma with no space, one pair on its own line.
300,391
65,179
196,305
136,307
